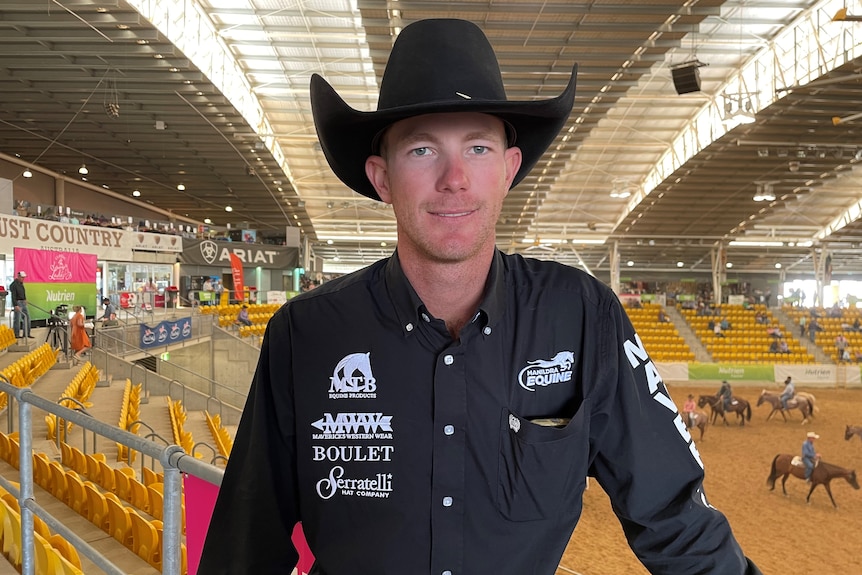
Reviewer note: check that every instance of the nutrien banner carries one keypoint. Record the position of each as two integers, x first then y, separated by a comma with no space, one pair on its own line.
57,278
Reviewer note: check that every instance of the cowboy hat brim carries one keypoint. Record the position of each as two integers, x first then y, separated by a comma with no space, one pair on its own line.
347,135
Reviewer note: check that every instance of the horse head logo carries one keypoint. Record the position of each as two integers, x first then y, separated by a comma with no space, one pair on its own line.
563,360
353,373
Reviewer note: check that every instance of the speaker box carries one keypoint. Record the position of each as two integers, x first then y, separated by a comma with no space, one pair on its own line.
686,78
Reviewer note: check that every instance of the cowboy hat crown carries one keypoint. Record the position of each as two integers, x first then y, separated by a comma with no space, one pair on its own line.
436,66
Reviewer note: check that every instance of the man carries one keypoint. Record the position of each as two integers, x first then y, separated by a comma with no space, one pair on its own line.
809,455
439,411
20,314
788,393
841,343
725,393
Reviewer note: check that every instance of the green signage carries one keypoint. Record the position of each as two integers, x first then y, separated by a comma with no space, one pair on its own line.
48,296
731,372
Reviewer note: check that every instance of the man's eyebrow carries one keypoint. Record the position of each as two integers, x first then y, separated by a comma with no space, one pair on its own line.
415,137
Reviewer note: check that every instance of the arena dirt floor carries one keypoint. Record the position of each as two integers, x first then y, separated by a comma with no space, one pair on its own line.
780,534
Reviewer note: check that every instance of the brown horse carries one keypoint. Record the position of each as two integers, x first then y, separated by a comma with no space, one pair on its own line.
739,406
800,403
853,430
698,419
822,474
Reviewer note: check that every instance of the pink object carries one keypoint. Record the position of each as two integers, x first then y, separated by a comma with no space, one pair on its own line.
200,501
43,266
306,558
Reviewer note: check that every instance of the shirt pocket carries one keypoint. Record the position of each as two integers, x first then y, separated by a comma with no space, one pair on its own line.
542,470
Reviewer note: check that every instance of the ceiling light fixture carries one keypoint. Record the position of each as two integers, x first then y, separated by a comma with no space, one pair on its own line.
83,170
137,193
27,173
181,187
228,209
207,221
728,265
778,265
680,264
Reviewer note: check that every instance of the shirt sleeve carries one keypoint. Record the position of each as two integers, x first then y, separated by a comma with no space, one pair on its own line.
257,505
646,461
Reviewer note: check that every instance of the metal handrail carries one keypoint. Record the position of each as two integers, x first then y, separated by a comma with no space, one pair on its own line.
213,385
172,457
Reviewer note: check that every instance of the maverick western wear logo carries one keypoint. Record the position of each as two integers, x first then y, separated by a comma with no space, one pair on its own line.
353,426
353,379
544,372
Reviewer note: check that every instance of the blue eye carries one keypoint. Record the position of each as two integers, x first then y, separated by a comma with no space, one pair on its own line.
420,152
480,149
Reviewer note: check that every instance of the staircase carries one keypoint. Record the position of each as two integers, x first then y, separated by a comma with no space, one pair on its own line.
685,331
791,328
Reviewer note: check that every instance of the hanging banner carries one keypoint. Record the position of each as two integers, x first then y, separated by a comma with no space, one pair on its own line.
236,272
57,278
211,253
165,333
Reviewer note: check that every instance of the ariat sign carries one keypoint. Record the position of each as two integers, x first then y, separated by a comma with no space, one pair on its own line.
211,253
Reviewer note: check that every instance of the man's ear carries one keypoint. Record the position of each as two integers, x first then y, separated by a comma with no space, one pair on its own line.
378,174
513,164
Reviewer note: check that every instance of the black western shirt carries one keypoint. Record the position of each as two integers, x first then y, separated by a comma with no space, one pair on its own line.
405,452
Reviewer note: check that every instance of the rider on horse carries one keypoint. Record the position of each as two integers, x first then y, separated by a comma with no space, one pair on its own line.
725,393
809,455
788,393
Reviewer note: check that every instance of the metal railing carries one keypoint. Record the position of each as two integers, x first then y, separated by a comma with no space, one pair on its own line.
173,459
111,344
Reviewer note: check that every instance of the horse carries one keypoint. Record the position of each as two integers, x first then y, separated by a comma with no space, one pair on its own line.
853,430
699,419
823,473
738,405
810,398
800,403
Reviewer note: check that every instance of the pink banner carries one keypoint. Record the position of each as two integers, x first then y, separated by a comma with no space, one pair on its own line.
42,266
200,501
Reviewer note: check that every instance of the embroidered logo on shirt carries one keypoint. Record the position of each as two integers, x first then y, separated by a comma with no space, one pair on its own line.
353,379
379,486
353,426
545,372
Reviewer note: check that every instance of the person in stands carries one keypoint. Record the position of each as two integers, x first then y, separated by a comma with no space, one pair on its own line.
242,316
80,340
439,411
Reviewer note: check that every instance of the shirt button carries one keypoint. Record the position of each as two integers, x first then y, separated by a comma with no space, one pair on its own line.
449,429
447,502
487,330
409,327
446,572
426,318
448,360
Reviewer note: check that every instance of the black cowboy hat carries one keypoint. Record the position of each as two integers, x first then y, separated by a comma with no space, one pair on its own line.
435,66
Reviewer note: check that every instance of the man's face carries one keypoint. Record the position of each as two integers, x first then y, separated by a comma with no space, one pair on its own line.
446,176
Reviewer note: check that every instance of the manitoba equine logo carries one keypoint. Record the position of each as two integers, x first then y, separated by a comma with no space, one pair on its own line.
209,251
353,379
544,372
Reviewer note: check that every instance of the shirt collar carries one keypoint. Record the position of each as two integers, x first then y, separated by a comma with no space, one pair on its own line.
409,307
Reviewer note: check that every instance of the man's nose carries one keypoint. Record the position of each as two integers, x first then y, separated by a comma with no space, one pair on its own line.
454,175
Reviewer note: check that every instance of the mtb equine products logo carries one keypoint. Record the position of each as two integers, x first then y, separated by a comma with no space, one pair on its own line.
352,378
545,372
